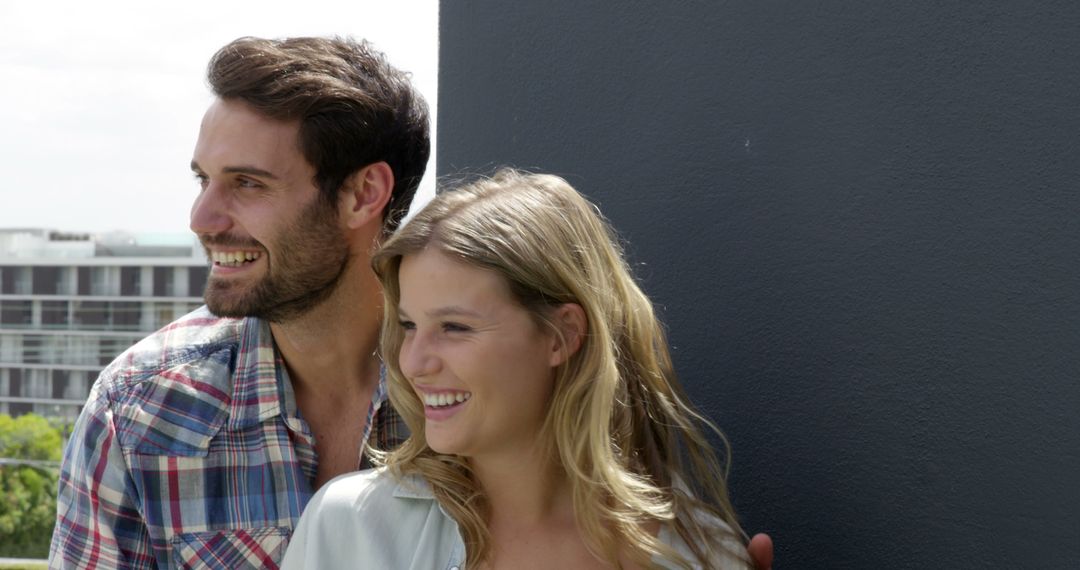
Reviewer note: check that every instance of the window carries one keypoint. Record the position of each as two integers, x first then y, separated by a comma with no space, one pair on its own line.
15,280
46,280
59,384
163,282
15,313
7,280
91,314
197,280
19,408
54,314
81,350
130,281
10,348
32,349
83,287
99,281
37,384
15,383
126,315
163,314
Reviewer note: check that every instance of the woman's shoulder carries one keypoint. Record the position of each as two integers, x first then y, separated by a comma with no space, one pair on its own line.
727,552
368,515
370,491
358,485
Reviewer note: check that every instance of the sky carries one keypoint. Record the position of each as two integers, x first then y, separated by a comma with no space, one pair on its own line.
101,101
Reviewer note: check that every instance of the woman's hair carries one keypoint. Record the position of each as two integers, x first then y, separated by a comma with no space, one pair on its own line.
618,423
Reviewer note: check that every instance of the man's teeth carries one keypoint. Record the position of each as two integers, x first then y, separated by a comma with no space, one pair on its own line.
233,258
445,399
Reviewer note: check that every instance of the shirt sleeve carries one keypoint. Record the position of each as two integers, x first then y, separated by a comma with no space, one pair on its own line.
97,522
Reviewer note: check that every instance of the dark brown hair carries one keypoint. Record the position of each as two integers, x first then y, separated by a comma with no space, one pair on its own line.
354,108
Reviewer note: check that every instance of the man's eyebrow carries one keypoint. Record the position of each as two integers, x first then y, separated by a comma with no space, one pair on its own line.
249,170
253,171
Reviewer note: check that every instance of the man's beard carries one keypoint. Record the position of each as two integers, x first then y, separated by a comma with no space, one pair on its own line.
310,257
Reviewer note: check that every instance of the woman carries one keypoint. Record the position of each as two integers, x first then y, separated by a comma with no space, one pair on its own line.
548,426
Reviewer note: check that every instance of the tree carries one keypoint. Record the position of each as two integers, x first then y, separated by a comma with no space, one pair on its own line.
28,490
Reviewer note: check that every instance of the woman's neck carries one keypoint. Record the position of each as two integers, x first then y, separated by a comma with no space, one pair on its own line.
532,516
524,489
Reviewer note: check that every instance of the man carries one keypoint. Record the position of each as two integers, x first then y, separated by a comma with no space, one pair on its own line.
200,445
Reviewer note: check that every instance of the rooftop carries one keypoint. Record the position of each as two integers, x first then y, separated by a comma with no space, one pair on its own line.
50,247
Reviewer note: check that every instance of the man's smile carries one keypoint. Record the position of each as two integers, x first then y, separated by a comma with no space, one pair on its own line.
234,258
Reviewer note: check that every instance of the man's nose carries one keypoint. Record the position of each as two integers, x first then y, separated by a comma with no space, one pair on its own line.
209,212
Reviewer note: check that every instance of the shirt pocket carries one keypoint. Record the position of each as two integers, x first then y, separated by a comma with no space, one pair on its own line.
231,549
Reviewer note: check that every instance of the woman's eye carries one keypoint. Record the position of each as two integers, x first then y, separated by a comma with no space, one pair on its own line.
407,325
455,327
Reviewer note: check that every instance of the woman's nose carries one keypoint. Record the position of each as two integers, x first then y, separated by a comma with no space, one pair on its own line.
416,358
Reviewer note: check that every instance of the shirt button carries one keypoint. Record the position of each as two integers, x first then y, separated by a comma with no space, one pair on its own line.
455,568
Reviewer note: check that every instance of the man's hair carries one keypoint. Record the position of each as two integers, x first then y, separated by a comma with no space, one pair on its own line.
353,107
618,423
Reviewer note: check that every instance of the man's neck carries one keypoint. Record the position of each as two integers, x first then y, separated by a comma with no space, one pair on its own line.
330,353
331,349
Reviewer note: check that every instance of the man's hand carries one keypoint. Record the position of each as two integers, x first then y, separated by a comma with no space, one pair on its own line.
761,551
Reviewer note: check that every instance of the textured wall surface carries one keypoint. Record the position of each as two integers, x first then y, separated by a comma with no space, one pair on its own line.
860,222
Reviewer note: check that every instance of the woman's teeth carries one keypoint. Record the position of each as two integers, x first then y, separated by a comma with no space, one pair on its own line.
443,399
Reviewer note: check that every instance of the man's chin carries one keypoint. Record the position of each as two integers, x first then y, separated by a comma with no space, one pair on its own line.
228,310
228,304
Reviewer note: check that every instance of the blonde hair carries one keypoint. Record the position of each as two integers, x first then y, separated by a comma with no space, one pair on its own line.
618,423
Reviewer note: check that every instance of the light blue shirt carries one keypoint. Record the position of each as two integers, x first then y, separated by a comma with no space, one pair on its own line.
370,519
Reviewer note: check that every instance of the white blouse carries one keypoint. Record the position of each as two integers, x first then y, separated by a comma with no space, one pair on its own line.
370,519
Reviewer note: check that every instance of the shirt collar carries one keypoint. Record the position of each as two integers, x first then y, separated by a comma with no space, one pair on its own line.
261,386
413,486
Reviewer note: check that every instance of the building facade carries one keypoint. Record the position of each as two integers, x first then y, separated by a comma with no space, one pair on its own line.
69,303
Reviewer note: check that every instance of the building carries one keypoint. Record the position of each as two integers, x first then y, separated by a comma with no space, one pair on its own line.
69,303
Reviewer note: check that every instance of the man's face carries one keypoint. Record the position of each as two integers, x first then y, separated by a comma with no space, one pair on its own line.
276,247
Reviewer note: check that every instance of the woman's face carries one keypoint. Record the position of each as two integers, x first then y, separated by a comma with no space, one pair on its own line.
483,368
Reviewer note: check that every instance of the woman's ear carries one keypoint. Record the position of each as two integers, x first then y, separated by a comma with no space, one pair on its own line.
570,320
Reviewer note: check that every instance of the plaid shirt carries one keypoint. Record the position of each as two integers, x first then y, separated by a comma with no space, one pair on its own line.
191,453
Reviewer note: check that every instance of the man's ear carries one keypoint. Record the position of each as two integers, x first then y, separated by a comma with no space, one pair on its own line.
365,194
570,320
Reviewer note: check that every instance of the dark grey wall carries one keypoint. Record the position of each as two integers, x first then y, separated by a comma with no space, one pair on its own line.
860,221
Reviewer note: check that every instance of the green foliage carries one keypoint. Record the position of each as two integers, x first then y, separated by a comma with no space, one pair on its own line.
27,492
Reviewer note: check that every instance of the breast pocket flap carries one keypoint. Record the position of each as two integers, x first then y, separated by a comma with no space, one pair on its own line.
232,549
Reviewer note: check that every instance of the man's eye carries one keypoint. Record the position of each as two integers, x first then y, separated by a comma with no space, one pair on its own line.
247,183
202,179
